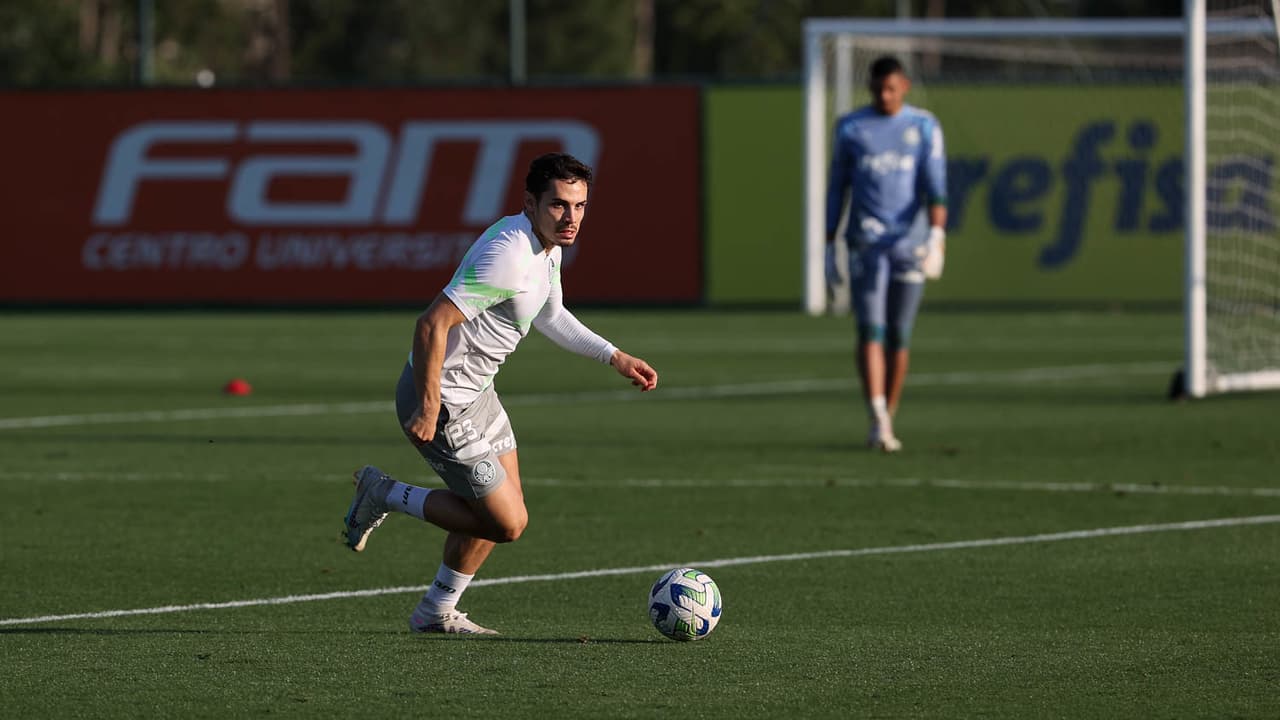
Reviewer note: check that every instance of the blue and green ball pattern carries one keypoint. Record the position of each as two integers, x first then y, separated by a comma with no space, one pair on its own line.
685,604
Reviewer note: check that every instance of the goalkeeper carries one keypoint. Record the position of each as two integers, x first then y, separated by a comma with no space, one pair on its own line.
889,160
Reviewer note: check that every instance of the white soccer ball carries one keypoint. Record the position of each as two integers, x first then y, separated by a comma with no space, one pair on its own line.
685,604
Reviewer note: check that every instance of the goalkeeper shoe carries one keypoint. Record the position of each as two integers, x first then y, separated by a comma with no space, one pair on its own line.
452,622
368,507
882,438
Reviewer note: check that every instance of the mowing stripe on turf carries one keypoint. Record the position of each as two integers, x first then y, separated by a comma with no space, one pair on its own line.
723,562
815,480
663,483
949,484
779,387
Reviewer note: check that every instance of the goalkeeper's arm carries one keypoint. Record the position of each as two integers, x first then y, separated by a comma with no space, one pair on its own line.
937,244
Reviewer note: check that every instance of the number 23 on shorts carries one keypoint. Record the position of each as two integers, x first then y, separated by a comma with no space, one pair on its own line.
462,432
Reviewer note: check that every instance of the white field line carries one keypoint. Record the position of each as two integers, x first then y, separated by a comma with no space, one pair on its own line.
780,387
1066,340
724,562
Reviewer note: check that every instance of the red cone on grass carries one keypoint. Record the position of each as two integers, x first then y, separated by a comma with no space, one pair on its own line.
237,387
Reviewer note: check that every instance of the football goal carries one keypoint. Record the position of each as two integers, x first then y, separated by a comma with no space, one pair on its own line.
1220,64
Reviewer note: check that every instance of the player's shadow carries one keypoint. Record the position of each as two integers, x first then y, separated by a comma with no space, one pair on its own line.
190,631
229,440
567,641
124,632
103,631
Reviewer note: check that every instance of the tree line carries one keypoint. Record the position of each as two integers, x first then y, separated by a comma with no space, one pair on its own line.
78,43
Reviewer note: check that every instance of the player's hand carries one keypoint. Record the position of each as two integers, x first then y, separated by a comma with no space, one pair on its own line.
835,278
635,370
937,251
420,428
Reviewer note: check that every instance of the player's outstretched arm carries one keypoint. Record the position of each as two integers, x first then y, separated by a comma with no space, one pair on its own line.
636,370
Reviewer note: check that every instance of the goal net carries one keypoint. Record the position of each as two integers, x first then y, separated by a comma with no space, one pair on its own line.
1233,248
1122,88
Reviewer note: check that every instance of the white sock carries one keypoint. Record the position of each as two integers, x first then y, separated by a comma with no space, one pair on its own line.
445,590
879,409
407,499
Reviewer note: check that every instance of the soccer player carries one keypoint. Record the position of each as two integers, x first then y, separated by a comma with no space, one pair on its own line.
889,159
445,400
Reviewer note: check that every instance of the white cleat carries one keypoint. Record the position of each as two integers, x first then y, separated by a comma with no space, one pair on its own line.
452,622
368,507
882,438
889,444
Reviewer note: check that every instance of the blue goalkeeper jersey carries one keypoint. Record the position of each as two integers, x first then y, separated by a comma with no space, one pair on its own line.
894,165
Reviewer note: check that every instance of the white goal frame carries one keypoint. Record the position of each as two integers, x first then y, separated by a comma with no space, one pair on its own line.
1199,378
1192,28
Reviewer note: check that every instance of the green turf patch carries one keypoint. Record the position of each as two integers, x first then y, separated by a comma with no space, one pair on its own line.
130,482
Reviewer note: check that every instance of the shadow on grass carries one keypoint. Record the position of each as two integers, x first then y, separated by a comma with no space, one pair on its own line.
556,641
166,631
206,439
102,631
436,638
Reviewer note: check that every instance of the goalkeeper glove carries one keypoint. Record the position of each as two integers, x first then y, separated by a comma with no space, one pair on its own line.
937,248
835,278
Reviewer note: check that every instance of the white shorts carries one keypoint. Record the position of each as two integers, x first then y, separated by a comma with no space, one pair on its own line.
468,439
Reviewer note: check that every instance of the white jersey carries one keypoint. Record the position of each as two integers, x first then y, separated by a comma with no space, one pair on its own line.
506,283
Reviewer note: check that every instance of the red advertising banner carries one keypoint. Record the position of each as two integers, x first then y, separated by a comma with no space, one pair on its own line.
334,196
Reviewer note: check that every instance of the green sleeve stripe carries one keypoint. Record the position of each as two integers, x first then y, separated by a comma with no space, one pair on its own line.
479,296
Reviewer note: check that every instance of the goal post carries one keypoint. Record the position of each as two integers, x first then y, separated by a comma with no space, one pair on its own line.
1232,249
1239,146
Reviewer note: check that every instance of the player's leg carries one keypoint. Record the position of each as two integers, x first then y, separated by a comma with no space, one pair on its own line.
869,281
468,458
871,362
502,509
483,504
906,289
904,303
437,611
896,362
464,453
498,516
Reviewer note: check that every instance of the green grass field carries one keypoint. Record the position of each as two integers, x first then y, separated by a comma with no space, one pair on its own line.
1039,550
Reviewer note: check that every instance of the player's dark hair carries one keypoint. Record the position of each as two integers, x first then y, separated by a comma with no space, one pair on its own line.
885,66
554,166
